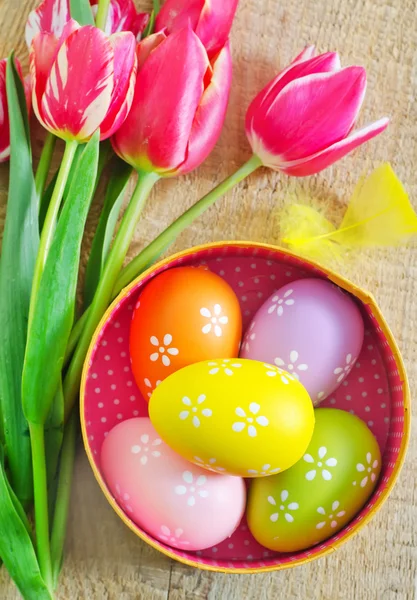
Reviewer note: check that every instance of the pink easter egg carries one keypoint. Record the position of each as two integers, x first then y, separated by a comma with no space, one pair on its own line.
177,502
310,328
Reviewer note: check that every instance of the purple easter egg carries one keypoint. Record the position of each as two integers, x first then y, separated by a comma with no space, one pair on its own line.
310,328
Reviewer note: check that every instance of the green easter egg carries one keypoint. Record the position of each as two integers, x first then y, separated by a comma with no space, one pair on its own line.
323,491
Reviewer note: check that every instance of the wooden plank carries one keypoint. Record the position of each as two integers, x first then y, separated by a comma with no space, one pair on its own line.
105,561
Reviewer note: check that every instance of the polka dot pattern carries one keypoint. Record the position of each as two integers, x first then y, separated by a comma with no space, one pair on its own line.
373,390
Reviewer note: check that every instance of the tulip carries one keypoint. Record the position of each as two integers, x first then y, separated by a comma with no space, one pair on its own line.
4,114
299,124
82,81
211,20
302,121
51,16
176,117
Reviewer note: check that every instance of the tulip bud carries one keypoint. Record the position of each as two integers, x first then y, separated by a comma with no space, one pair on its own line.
211,20
301,122
82,81
51,16
176,117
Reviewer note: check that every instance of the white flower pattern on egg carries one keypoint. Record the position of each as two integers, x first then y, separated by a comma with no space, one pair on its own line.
341,372
278,303
320,465
173,539
149,385
249,420
194,488
147,448
216,319
265,470
282,508
195,410
292,366
273,371
332,517
367,469
163,350
210,465
250,336
226,366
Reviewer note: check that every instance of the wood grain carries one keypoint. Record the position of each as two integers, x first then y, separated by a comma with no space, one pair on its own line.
104,560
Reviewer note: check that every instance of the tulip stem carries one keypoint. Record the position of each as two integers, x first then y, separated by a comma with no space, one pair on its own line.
44,164
75,335
40,488
62,503
142,260
102,12
156,7
50,221
105,286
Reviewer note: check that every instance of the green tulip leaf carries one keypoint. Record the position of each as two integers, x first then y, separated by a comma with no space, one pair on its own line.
107,223
54,434
54,308
80,10
19,249
16,547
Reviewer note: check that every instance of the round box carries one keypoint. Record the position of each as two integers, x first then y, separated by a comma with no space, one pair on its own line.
376,390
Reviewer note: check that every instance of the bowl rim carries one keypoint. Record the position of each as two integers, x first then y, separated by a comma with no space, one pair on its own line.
364,296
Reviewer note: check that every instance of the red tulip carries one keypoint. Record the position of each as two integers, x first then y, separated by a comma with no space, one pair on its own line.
302,121
176,117
4,113
210,19
51,16
82,81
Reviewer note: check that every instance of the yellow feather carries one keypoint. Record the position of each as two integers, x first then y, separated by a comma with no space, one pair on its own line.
308,232
378,214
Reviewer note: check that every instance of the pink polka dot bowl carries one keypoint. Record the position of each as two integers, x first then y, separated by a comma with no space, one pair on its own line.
376,390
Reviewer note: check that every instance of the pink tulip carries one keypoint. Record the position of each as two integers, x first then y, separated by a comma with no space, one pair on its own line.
51,16
82,81
302,121
4,113
123,16
176,117
210,19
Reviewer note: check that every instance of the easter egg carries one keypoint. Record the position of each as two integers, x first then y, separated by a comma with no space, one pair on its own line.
180,504
184,315
320,494
310,328
235,416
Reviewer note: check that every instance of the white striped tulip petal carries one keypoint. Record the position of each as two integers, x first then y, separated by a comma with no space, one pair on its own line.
83,81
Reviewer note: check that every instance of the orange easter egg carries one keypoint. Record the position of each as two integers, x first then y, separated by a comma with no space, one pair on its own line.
184,315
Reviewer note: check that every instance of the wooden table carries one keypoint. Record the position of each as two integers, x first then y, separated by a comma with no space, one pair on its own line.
104,560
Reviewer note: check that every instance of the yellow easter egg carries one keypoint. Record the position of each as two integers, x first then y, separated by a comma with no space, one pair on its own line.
235,416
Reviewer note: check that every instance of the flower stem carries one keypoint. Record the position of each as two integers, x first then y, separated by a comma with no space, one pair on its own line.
40,487
44,164
50,221
102,12
75,335
136,266
62,503
156,6
103,293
